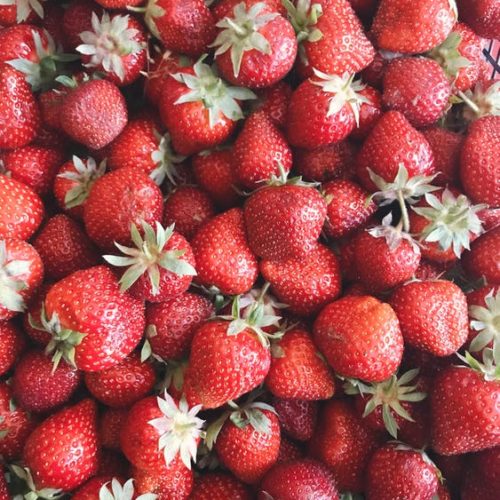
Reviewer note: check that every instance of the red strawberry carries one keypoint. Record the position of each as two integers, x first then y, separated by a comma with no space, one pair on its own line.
418,88
225,8
199,109
369,113
38,387
94,325
433,315
297,370
397,471
18,42
4,492
171,324
106,221
307,284
255,45
12,344
92,488
21,272
13,13
19,112
110,425
343,443
223,257
285,480
360,337
425,24
289,450
260,151
297,417
78,18
64,247
482,261
219,485
273,101
94,113
482,16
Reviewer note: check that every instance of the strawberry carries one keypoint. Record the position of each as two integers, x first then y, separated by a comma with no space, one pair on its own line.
37,387
307,284
330,104
433,315
19,113
12,344
418,88
110,425
289,450
84,332
482,16
425,24
187,207
255,45
15,13
347,208
214,173
77,18
33,317
369,113
297,371
160,432
343,443
20,42
73,182
106,221
482,259
4,492
172,324
199,109
273,101
92,488
222,254
21,273
225,8
478,166
219,485
297,417
330,35
326,163
93,113
184,26
159,268
285,480
259,151
398,471
116,46
393,143
361,328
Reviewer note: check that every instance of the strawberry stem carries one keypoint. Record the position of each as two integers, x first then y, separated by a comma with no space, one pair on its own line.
404,211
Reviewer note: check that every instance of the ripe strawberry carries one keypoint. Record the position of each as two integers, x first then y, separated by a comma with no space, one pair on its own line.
19,112
330,104
187,207
12,344
393,143
172,324
343,443
425,24
64,247
255,46
482,261
297,371
92,488
297,417
94,113
347,208
84,331
219,485
110,425
398,471
21,272
19,42
369,113
4,492
335,161
223,257
331,37
479,171
14,13
260,151
273,101
285,480
77,18
433,315
38,387
360,338
418,88
106,221
184,26
307,284
115,46
482,16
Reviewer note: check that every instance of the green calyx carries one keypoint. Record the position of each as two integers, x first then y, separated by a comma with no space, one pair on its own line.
388,394
483,101
489,368
30,491
220,99
486,321
448,56
12,280
240,33
393,235
282,179
166,160
148,256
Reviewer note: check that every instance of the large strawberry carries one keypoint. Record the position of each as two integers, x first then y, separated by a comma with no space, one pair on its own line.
482,261
219,485
360,338
482,16
256,46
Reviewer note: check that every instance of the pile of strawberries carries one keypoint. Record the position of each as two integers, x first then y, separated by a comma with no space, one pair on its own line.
249,249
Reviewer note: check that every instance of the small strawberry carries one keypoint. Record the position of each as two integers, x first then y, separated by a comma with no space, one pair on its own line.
482,16
12,343
255,45
38,387
15,12
360,338
219,485
482,261
297,417
273,101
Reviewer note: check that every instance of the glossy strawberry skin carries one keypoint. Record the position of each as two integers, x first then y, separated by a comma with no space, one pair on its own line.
360,338
17,42
12,343
77,18
297,417
219,485
482,16
273,101
91,488
111,422
61,459
483,258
